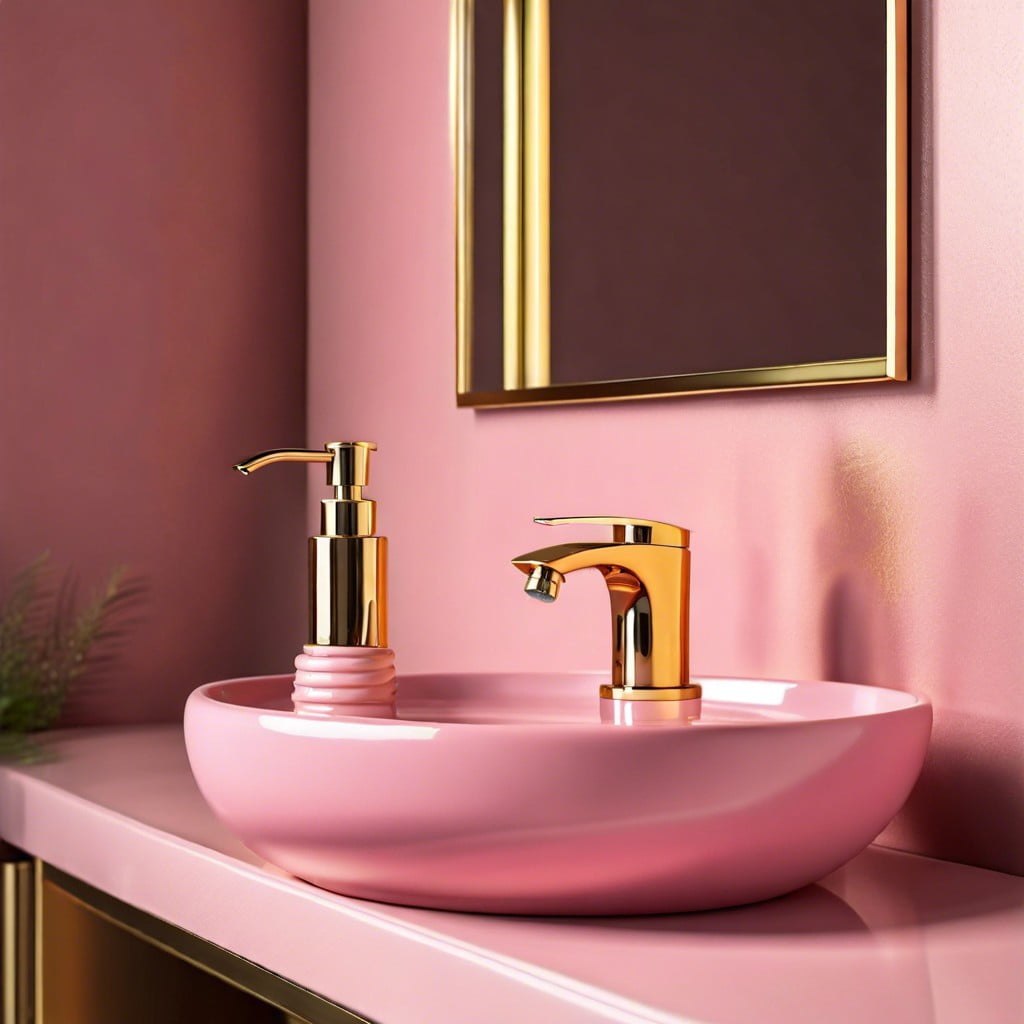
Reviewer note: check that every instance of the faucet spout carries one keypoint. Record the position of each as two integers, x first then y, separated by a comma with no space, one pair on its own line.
649,591
562,558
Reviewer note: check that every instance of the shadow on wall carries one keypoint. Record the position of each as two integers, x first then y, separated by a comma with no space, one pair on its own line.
861,549
921,207
969,801
968,804
970,798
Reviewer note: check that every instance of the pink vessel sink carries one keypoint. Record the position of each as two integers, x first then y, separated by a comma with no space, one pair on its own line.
509,794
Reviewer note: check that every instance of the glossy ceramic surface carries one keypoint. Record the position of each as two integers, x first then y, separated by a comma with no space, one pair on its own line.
337,681
511,794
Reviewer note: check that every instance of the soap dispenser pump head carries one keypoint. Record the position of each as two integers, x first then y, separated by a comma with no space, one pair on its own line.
347,562
348,471
348,513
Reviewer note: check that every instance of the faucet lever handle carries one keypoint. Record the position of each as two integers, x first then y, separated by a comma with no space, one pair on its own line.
626,530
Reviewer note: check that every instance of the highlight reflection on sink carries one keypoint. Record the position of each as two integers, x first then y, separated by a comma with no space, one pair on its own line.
510,794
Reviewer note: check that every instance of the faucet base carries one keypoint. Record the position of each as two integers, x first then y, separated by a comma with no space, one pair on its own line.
691,692
647,712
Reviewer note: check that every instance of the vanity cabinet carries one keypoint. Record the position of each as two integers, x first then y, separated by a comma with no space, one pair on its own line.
75,955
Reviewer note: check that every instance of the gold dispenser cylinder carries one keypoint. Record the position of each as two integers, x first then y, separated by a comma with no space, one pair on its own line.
347,584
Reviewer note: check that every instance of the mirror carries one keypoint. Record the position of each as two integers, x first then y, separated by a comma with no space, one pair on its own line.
657,197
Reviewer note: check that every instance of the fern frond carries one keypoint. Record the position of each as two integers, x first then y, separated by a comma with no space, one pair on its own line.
45,644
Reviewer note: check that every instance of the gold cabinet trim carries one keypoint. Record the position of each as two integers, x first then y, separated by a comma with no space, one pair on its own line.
17,947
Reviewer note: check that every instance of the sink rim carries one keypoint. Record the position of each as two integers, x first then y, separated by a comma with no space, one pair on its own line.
901,702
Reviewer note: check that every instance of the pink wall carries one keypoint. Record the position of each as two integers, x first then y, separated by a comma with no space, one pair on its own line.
152,323
868,534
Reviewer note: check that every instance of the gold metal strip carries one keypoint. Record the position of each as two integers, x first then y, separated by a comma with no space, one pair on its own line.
222,963
513,373
37,951
845,371
10,953
896,257
537,195
460,85
17,951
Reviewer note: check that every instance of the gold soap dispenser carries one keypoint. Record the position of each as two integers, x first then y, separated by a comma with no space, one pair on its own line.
346,668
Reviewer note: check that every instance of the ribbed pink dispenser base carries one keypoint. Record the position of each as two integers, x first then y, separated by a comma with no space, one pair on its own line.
335,681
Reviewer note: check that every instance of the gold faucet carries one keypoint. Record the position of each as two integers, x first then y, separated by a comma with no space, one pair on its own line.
646,567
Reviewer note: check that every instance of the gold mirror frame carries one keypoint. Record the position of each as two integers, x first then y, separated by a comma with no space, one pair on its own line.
526,228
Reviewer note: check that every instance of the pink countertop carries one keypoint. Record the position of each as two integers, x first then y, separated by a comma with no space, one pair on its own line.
890,937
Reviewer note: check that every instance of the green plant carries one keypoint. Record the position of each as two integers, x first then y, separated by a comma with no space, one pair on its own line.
46,643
